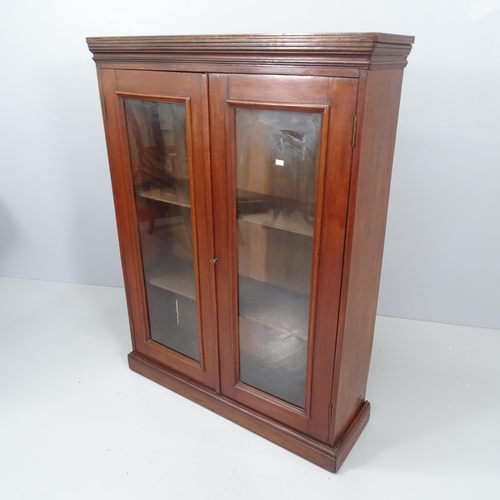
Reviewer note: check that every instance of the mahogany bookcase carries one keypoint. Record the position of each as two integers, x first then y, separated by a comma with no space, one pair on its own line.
251,178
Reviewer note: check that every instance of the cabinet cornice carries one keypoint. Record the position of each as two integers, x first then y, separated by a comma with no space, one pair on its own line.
354,50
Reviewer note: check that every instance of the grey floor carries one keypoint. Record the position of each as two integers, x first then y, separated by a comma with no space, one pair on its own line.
76,423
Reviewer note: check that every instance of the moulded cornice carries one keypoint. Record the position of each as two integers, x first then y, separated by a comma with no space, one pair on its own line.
355,50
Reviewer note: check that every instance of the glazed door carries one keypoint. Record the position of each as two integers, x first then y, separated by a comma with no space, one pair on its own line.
161,178
279,221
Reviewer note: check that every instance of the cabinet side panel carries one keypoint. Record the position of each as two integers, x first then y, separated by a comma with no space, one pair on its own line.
378,108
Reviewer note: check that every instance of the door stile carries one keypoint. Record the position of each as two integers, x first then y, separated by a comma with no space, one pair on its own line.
218,93
129,249
342,96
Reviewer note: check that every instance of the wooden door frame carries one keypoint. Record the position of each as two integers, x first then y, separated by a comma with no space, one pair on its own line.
190,88
336,98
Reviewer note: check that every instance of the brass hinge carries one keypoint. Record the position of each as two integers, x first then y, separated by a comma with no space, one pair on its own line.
354,131
330,413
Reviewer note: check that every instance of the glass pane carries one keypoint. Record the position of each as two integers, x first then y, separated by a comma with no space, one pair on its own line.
157,141
276,171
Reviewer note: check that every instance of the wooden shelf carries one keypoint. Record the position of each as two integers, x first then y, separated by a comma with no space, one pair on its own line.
277,365
275,307
175,275
166,196
260,208
278,308
294,223
181,339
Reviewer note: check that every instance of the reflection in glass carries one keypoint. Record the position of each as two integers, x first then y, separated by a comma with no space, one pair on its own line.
276,171
157,142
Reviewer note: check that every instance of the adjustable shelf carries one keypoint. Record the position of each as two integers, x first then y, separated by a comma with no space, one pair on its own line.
175,275
166,196
276,212
179,338
274,363
293,223
275,307
282,310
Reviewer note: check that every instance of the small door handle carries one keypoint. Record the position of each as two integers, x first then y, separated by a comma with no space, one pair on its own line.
214,260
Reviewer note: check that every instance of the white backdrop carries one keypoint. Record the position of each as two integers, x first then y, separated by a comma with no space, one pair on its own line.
442,254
